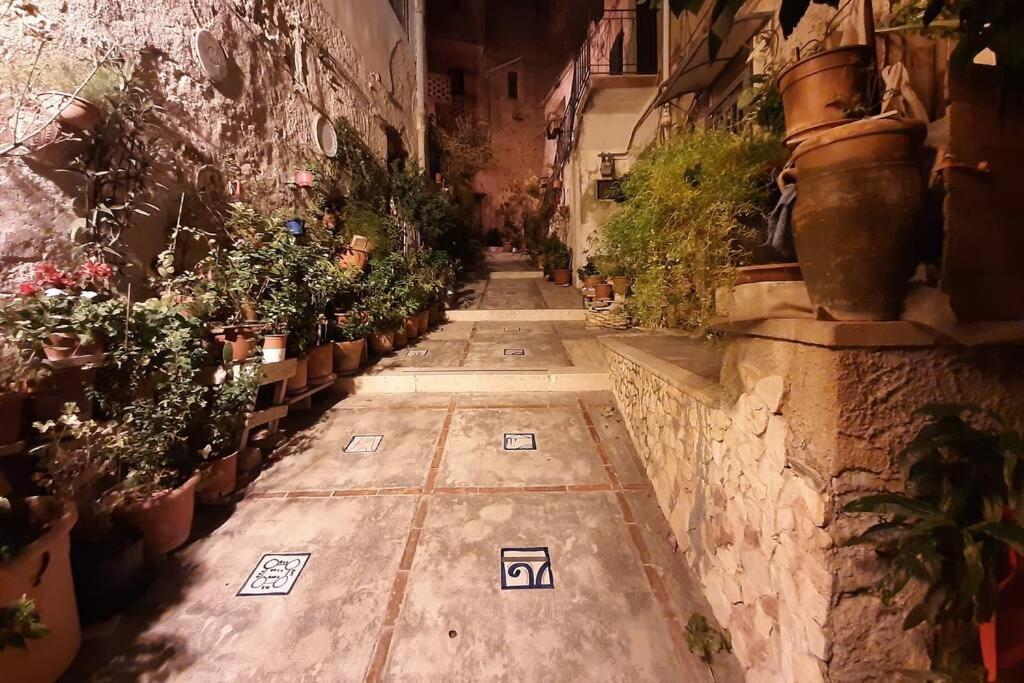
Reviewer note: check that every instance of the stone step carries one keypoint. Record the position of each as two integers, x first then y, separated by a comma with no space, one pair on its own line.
447,380
516,275
517,315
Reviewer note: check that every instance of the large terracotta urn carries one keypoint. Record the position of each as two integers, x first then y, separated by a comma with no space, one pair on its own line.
41,572
855,223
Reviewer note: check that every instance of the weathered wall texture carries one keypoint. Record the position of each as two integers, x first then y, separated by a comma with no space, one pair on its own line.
358,61
752,475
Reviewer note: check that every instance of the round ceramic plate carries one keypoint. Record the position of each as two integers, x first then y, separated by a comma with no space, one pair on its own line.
210,55
324,136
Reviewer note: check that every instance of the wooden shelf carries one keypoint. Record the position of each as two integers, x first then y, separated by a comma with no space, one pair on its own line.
262,417
77,362
301,401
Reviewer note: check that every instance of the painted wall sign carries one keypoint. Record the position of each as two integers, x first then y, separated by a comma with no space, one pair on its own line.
526,568
364,443
521,442
275,574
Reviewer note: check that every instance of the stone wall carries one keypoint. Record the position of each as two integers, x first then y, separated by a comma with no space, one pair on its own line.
356,60
752,472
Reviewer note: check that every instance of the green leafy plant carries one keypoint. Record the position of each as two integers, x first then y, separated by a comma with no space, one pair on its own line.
228,403
954,527
704,640
554,255
588,269
357,326
20,623
679,230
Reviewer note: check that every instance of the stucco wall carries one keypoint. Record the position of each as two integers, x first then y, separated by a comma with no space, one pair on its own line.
752,473
256,122
606,122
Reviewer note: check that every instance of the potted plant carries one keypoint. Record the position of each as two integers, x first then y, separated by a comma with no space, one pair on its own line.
687,212
957,529
61,314
106,556
229,402
39,627
153,390
589,274
304,178
556,260
348,340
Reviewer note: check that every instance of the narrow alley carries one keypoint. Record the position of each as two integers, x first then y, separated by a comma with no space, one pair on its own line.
505,531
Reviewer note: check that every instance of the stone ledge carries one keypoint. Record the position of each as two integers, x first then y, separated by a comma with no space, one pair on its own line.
688,382
894,334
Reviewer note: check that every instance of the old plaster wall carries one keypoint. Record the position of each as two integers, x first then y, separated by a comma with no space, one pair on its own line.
357,61
752,473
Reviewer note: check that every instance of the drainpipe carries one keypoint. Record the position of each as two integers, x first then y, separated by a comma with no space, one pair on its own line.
420,33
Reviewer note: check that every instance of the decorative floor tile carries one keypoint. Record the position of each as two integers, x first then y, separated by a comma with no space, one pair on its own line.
275,574
416,353
364,443
515,352
526,568
520,442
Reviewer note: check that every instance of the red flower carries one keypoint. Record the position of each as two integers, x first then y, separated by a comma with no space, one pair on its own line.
47,275
28,289
92,270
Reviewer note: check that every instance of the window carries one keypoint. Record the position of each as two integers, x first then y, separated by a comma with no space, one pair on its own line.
513,85
458,78
401,9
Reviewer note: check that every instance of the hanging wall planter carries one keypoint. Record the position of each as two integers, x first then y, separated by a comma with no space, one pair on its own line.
304,179
296,226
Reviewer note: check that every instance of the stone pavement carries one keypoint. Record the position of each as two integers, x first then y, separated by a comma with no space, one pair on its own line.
429,537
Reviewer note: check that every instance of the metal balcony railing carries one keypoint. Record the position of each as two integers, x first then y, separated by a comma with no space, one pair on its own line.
610,49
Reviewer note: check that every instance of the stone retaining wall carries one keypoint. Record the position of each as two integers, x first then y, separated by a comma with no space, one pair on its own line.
752,473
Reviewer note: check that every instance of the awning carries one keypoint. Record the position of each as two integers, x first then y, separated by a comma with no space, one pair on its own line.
698,71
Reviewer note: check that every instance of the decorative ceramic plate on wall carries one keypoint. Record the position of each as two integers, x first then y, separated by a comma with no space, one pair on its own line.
324,136
210,55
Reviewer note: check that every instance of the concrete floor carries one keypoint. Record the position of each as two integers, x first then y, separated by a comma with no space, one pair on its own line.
413,508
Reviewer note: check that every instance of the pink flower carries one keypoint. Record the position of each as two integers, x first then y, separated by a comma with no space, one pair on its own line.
28,289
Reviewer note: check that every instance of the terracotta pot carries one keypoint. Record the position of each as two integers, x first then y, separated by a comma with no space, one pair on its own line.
275,347
75,112
603,291
819,92
401,338
506,247
561,276
12,405
320,364
341,318
165,519
382,343
243,343
249,462
219,480
436,314
412,327
298,382
592,280
855,222
304,178
620,285
348,356
353,258
42,573
771,272
423,322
